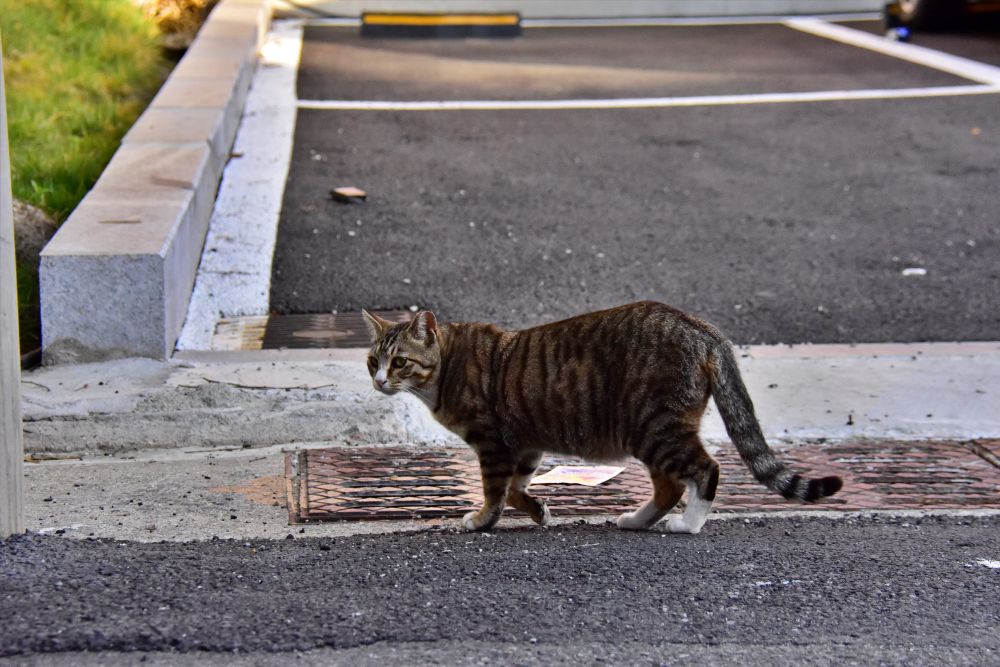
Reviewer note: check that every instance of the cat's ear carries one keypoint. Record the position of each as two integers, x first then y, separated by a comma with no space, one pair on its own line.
424,327
376,325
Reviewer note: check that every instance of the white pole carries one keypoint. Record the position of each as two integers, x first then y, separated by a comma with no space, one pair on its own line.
11,445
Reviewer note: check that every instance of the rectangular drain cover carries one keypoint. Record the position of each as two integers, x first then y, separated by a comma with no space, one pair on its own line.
298,331
400,483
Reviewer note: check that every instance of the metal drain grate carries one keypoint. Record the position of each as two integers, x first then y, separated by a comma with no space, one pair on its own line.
308,331
399,483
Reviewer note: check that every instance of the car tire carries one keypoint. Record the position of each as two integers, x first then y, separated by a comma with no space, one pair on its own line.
930,14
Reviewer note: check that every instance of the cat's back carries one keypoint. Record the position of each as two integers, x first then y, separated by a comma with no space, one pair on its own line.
586,376
633,326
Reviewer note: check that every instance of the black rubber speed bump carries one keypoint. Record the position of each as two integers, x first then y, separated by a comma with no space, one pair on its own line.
440,25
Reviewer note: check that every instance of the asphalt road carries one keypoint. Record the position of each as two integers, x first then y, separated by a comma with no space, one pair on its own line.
872,590
780,223
581,63
980,41
785,224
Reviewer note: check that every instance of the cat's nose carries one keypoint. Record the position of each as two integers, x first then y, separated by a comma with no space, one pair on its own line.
380,382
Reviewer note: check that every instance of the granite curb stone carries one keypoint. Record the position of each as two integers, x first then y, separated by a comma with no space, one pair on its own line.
117,277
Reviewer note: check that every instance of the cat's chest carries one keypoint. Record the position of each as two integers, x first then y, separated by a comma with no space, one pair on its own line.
466,419
449,422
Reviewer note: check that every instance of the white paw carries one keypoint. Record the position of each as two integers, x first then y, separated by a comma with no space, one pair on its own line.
546,516
676,525
469,521
629,521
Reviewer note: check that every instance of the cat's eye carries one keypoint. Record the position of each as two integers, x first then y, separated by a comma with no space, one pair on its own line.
372,362
398,362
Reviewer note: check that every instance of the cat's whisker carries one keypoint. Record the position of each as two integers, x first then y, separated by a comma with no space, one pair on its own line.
414,392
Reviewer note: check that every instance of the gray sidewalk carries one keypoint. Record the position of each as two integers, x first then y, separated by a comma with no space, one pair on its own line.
194,448
257,399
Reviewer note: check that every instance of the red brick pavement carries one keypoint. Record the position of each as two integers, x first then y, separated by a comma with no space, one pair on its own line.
398,483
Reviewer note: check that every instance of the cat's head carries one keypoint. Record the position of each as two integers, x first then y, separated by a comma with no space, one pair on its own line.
403,357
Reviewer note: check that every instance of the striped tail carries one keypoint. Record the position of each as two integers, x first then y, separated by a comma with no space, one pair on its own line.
737,412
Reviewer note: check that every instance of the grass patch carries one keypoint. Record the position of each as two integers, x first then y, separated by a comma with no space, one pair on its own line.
77,75
27,306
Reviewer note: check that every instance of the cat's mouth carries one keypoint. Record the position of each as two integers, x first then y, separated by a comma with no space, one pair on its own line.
387,390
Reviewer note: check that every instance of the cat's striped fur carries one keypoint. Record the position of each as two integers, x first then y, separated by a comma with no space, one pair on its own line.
633,380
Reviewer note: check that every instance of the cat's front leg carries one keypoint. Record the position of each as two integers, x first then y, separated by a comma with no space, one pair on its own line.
497,468
518,496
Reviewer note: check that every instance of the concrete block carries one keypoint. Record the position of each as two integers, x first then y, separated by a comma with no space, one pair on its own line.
237,20
120,222
210,58
116,278
202,68
221,48
155,166
191,99
195,93
216,73
123,318
184,126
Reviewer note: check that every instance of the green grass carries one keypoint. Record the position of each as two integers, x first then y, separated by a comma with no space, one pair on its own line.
77,75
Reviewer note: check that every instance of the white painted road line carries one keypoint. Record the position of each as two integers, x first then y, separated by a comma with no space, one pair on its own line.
650,102
352,22
234,277
334,22
682,21
963,67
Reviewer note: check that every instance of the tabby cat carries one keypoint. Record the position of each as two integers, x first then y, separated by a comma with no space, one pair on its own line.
632,380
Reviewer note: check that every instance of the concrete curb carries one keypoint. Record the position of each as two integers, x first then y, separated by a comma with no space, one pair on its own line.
116,279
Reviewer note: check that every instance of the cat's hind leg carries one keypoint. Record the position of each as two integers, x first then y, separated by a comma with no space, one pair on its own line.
496,468
701,479
517,495
667,490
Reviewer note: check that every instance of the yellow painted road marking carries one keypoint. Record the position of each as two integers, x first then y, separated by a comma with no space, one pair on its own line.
440,19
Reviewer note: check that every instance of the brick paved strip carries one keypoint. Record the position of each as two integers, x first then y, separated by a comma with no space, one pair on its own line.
398,483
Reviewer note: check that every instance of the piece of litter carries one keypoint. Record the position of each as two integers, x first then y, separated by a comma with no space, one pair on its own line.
992,564
57,529
914,271
348,194
585,475
414,309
